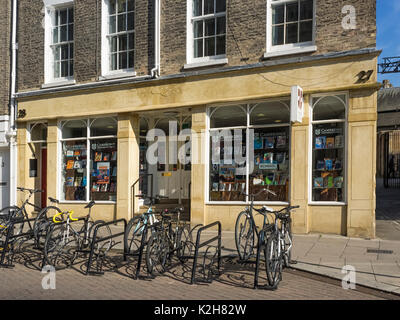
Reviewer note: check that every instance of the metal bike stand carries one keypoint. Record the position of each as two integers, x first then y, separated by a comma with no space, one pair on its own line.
200,245
8,245
97,240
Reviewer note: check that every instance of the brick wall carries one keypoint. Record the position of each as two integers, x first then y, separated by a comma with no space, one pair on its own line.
30,65
5,27
245,42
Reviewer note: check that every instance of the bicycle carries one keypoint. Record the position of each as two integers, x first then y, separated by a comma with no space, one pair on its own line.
166,240
11,214
137,225
43,222
277,243
246,228
63,242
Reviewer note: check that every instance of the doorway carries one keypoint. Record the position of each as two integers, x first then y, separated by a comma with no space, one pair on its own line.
170,178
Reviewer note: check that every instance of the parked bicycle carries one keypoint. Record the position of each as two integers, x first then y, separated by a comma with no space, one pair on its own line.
64,241
169,237
137,225
43,221
246,230
11,214
276,240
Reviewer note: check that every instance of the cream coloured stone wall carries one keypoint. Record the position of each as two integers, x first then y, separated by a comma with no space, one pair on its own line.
357,218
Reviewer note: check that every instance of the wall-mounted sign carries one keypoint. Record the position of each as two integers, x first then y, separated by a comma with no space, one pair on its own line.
297,104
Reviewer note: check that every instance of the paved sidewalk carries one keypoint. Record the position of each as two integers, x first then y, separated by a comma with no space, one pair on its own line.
327,254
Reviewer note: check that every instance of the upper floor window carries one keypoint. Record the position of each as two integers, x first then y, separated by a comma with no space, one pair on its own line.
59,42
206,30
290,25
119,35
63,42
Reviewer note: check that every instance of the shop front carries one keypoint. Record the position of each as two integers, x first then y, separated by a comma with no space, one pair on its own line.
238,132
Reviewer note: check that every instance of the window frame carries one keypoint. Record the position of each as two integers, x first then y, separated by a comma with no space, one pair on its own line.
89,121
249,106
206,60
49,54
106,71
31,126
311,202
292,48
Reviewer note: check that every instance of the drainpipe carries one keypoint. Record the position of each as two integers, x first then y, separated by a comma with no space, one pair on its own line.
155,72
12,132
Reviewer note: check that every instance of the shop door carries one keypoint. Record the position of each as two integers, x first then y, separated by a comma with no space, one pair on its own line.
168,178
174,179
5,178
43,176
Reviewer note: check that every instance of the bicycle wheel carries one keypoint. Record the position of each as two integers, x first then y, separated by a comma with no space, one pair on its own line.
102,232
156,253
244,235
60,247
185,243
273,260
288,239
6,214
133,235
42,222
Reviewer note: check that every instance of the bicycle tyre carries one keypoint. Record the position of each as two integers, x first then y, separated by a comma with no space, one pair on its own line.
287,255
156,253
133,235
185,243
60,251
273,260
42,223
244,236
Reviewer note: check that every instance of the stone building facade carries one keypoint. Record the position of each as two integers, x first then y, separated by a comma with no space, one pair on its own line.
233,64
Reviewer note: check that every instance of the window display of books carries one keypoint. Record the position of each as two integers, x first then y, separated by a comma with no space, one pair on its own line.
103,177
328,165
227,182
74,162
271,164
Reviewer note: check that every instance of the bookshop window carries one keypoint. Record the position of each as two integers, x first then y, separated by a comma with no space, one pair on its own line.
103,177
232,116
89,155
232,168
328,148
271,150
227,165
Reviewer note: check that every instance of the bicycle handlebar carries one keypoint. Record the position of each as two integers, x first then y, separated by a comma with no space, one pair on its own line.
30,190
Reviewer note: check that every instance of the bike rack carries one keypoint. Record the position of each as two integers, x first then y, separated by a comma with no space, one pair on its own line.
200,245
96,240
8,245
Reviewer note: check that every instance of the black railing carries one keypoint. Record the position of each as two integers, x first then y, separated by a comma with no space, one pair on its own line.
391,156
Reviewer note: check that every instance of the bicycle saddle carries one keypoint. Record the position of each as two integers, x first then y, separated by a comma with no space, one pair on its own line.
90,204
53,200
268,209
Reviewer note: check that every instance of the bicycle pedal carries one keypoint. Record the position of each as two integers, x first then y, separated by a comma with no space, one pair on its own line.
292,262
